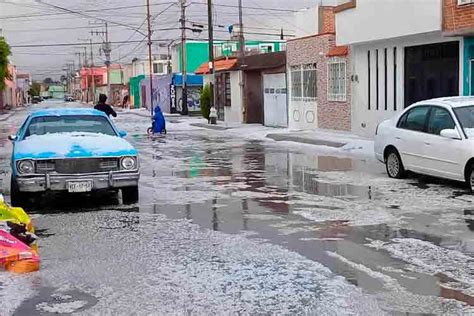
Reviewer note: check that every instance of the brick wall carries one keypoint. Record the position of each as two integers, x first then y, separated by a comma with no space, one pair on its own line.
458,19
327,20
331,115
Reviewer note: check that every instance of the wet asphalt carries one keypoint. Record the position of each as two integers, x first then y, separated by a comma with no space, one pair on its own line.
230,225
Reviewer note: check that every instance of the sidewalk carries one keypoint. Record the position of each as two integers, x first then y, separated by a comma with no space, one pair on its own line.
317,139
5,115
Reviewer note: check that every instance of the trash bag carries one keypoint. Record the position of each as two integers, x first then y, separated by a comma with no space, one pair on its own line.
18,243
15,256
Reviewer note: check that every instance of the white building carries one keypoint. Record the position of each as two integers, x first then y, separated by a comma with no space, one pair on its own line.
141,66
398,56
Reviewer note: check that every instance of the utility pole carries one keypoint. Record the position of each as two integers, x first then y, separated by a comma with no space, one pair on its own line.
92,71
211,51
241,32
107,49
150,60
184,98
87,75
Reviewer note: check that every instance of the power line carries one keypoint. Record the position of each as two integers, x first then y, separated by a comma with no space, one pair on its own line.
86,15
78,44
246,7
85,11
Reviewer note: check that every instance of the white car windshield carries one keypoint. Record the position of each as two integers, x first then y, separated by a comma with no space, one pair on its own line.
69,124
466,118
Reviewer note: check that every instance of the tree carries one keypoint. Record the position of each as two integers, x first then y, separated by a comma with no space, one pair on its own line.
206,101
4,53
48,81
35,89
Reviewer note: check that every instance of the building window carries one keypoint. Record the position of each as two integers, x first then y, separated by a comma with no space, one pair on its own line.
296,82
337,81
227,87
158,68
463,2
304,82
266,48
310,83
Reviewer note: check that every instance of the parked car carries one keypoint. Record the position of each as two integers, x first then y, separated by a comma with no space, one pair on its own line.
36,100
68,98
433,137
72,150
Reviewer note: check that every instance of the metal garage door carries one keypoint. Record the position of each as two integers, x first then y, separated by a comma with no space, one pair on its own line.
275,101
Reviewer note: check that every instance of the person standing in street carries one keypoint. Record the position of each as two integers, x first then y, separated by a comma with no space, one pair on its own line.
104,107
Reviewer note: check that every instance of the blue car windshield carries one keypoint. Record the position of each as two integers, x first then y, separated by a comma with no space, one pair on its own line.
69,124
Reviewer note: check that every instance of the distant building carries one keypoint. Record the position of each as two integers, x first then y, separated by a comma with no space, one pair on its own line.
8,97
57,91
24,82
251,89
198,51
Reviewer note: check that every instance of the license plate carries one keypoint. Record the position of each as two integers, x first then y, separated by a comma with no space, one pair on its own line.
79,187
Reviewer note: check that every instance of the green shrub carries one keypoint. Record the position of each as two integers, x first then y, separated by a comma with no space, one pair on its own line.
206,101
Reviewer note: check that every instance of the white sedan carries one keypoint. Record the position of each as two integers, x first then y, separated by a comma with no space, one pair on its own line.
433,137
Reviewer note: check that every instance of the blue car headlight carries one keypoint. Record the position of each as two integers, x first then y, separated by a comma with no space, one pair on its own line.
25,167
128,163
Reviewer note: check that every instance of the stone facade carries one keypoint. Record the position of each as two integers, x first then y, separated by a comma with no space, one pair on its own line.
329,114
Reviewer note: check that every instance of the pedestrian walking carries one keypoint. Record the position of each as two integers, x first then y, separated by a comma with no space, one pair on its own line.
126,98
104,107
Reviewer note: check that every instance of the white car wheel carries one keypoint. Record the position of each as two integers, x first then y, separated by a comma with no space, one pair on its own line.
394,165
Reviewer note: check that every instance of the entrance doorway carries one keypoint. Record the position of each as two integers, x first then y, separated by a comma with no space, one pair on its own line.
471,78
431,71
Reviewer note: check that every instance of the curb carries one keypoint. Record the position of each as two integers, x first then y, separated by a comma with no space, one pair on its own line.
304,140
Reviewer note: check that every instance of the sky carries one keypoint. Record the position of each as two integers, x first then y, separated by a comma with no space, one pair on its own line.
36,22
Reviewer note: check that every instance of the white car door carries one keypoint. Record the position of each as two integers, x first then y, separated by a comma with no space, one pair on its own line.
443,155
410,138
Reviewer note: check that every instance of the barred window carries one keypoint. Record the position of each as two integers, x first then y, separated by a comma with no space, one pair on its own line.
303,82
296,82
337,80
309,82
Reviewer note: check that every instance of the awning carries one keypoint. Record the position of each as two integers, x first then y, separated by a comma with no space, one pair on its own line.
338,51
220,65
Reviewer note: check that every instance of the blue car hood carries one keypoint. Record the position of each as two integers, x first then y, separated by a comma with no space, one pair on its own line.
72,145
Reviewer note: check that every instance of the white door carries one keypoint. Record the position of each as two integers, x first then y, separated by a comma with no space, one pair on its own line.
410,138
443,155
275,100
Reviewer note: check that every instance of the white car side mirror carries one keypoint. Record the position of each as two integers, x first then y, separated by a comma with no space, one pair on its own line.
450,133
12,137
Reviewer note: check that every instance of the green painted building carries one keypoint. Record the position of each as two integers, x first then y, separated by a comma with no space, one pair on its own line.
197,52
135,99
57,91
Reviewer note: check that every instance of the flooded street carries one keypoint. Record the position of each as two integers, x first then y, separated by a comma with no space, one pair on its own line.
227,224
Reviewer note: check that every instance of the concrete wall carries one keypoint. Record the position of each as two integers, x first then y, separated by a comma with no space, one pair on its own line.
306,22
234,113
365,120
373,20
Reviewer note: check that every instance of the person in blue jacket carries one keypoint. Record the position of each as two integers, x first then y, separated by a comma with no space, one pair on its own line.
159,122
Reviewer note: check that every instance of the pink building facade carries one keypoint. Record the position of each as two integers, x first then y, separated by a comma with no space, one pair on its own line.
319,79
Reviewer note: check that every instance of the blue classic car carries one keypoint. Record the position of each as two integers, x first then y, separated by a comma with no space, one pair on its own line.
72,150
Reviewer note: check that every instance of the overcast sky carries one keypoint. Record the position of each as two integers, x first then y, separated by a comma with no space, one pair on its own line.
27,22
